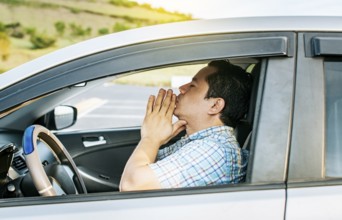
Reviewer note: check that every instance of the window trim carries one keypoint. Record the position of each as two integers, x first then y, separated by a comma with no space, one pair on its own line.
152,54
323,44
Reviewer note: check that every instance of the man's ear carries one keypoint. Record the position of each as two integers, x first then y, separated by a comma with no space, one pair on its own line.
217,106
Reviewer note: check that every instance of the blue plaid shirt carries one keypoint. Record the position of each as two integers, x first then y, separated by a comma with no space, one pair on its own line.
208,157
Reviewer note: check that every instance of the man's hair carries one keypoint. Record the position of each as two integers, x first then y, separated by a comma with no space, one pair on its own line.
233,84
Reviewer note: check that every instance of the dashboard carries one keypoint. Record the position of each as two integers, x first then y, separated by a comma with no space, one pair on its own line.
13,168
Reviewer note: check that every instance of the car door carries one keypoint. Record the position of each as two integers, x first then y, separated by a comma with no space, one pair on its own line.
262,196
314,188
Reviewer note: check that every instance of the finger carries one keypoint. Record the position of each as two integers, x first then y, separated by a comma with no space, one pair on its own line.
172,106
178,127
166,103
159,100
150,102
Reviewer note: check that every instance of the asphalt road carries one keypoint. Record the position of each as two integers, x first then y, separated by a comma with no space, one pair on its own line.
111,106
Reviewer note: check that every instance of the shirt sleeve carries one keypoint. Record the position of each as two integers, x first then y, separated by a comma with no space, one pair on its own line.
197,163
166,151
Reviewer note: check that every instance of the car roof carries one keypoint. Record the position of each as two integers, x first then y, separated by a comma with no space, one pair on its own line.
167,31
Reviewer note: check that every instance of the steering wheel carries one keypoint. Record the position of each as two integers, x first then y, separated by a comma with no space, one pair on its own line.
49,186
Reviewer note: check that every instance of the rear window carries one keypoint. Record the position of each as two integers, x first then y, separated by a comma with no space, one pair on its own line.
333,85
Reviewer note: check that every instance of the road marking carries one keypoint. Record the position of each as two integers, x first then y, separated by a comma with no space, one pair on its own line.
129,101
86,106
123,107
114,116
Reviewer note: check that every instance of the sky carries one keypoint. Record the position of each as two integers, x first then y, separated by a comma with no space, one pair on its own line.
209,9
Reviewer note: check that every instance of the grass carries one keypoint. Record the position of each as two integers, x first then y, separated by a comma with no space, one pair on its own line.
32,18
104,8
94,15
21,52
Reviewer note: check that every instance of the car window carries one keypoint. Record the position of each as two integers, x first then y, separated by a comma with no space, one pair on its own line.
333,82
121,101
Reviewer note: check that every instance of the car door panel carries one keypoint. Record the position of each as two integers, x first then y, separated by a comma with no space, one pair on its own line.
240,202
314,187
101,165
102,155
315,202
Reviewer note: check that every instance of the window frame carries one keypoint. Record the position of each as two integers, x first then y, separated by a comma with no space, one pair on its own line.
148,56
278,47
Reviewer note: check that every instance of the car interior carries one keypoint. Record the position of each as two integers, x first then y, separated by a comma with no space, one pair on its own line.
100,167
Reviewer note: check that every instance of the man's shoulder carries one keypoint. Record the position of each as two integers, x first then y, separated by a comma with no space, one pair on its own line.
214,142
204,144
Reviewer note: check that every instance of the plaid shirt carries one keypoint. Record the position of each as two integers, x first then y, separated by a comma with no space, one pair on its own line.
208,157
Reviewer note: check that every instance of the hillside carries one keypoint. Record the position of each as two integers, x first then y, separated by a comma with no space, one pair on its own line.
31,28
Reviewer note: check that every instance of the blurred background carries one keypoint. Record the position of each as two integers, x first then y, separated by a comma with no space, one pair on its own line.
32,28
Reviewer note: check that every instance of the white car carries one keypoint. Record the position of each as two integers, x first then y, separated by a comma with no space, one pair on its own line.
92,96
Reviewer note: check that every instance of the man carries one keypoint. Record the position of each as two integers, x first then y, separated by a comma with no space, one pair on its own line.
208,108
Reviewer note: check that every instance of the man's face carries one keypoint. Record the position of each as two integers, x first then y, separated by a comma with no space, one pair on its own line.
191,103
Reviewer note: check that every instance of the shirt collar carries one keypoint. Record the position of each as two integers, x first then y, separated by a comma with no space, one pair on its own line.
207,132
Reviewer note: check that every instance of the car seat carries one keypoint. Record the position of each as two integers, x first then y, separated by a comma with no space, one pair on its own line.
244,127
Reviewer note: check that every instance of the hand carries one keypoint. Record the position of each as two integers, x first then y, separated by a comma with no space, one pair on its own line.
157,125
156,130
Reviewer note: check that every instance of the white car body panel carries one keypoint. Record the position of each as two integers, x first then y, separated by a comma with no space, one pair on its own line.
314,203
233,205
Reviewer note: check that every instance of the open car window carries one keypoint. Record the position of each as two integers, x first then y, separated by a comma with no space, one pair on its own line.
121,100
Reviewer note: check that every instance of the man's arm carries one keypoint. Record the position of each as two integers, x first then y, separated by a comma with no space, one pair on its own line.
156,130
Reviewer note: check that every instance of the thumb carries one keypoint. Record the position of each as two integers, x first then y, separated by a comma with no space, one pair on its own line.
178,126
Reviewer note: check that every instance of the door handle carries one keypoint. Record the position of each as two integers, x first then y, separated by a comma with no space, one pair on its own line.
92,141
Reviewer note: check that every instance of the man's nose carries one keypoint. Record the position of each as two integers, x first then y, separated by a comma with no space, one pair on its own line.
184,88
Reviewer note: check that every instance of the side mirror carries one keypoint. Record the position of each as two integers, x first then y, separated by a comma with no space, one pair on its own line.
61,117
64,116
